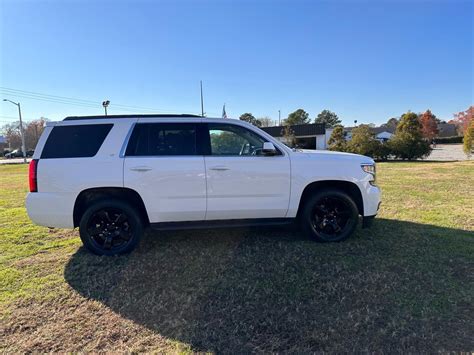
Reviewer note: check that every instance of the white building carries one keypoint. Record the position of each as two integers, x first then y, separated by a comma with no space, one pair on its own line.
308,136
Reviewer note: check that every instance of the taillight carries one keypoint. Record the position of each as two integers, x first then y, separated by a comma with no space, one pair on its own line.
33,175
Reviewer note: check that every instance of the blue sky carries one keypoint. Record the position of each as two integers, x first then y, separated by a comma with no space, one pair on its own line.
365,60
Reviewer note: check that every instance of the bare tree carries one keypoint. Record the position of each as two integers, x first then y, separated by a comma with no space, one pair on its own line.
11,131
266,121
32,130
289,136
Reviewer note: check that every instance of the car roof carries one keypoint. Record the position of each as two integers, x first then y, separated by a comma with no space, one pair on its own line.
108,117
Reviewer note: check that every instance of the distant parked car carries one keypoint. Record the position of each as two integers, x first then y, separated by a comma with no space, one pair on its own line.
29,153
17,153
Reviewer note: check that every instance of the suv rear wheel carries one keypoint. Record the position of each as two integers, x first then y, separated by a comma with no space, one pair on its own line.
330,216
110,227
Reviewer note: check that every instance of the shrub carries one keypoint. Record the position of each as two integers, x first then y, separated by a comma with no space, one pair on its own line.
337,141
408,142
382,151
363,141
468,146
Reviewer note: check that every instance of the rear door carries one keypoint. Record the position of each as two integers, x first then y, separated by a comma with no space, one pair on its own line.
241,182
163,165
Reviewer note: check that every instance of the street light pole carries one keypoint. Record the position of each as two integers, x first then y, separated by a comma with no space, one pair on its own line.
202,102
105,103
22,134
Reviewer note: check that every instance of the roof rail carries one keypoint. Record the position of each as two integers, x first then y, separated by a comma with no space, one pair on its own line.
75,118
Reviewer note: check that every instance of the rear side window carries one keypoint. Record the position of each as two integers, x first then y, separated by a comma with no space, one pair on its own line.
79,141
151,139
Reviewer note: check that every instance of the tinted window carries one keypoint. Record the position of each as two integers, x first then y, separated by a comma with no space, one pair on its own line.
234,140
162,139
75,141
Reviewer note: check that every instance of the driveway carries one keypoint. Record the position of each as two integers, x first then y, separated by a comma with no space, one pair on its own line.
447,152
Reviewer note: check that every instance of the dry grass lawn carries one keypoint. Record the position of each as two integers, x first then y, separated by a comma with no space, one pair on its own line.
404,285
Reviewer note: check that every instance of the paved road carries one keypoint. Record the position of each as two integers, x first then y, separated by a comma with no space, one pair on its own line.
13,161
447,152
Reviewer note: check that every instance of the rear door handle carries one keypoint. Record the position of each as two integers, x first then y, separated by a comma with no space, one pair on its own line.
219,168
140,168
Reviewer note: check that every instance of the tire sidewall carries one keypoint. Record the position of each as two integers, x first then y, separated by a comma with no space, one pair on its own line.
308,208
134,219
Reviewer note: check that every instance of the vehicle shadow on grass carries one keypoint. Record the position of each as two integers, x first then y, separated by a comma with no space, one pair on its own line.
397,286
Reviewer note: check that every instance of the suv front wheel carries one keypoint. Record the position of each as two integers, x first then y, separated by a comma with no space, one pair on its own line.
330,216
110,227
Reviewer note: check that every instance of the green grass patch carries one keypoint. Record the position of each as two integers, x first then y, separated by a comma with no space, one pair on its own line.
406,284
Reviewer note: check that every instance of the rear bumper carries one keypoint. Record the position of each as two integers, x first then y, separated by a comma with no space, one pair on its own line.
51,209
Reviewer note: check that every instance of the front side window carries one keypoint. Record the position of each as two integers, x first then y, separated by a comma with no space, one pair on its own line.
234,140
151,139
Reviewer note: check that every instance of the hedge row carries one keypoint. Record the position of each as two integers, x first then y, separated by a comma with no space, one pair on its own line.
447,140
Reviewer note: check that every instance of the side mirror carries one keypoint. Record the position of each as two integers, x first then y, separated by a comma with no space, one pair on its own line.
269,149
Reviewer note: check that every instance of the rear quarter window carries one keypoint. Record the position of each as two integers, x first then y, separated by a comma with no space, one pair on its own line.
81,141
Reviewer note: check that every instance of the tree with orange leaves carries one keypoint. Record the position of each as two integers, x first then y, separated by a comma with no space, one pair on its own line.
463,118
429,126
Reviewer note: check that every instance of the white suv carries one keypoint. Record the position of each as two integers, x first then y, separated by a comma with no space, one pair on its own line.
112,176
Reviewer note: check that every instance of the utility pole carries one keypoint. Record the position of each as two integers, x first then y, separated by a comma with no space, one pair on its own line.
202,102
105,103
22,134
279,117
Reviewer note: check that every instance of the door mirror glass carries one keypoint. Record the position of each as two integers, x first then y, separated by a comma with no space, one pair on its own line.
269,149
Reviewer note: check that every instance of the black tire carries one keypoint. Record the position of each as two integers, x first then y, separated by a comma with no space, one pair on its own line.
110,227
329,216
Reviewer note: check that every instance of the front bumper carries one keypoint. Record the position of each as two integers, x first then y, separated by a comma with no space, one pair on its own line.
367,221
372,197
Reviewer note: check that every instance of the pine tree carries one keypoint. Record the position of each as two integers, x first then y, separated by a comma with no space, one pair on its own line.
329,118
300,116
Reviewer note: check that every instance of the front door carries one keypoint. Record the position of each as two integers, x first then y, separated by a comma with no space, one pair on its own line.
162,164
241,181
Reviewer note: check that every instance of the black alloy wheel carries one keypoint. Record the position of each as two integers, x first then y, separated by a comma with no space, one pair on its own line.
330,216
110,227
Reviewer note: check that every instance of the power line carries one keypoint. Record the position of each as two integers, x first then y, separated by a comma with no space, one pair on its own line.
47,100
59,100
47,95
73,101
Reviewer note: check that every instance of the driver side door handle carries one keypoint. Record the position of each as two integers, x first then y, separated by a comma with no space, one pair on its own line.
140,168
219,168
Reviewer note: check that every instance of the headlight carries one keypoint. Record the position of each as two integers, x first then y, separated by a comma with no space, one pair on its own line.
369,169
